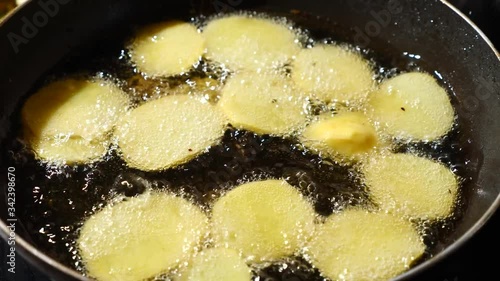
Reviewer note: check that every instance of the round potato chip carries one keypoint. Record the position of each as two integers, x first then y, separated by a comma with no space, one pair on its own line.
412,106
142,237
348,134
362,246
217,264
168,131
410,185
262,103
333,73
167,48
264,220
74,108
244,42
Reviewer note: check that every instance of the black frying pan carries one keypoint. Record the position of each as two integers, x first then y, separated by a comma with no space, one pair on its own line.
37,37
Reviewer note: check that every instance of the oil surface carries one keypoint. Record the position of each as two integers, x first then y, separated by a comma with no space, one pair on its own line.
56,200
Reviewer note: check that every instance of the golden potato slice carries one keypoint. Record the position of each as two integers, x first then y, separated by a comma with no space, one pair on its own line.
410,185
244,42
67,150
362,246
168,131
348,134
264,220
265,103
333,73
217,264
141,237
413,106
74,108
167,48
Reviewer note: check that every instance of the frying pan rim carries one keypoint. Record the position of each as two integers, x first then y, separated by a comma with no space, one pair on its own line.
478,225
473,25
413,272
9,14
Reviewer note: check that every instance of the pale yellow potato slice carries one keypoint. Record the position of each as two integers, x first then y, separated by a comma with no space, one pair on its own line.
68,151
244,42
347,134
74,108
265,103
412,106
168,131
167,48
362,246
264,220
217,264
409,185
141,237
333,73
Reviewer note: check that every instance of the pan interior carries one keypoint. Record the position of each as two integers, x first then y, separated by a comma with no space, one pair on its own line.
48,228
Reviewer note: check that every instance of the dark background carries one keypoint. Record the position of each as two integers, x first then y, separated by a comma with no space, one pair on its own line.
477,260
